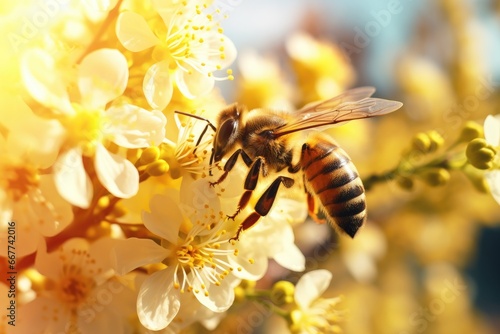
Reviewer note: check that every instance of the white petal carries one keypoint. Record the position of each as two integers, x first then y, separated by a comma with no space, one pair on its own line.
196,196
193,84
157,85
158,301
311,286
133,252
230,52
103,76
134,127
165,218
71,180
104,321
291,258
28,236
492,130
493,179
53,213
40,77
35,312
37,138
251,270
220,298
134,33
118,175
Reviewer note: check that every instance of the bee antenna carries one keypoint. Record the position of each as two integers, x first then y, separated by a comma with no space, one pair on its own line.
197,117
209,124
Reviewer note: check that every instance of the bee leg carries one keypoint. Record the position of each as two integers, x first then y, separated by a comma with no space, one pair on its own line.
264,204
313,209
250,184
230,164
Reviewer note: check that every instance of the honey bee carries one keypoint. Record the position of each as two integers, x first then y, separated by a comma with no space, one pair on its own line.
267,141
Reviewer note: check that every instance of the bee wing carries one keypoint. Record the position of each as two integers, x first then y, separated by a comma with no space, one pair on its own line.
350,105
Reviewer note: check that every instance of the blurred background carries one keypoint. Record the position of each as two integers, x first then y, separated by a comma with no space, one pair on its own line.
426,262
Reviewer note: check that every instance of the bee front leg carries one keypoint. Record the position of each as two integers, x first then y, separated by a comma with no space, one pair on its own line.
250,184
264,204
228,166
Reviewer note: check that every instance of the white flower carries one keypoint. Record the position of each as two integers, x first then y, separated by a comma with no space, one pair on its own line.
191,49
314,314
274,235
102,77
27,196
492,136
192,150
80,294
195,249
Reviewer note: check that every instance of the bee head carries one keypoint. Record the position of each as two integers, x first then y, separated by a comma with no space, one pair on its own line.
228,130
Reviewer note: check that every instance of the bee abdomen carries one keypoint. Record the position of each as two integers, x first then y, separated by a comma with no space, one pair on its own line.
333,178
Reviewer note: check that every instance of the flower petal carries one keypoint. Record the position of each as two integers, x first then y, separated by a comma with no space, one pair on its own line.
71,180
158,301
118,175
134,33
492,130
37,138
196,196
192,83
165,218
310,287
53,214
134,252
252,261
29,237
103,76
493,179
41,79
134,127
291,258
157,85
219,297
34,312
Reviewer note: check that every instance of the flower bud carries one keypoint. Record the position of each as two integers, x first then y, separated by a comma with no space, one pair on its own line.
427,142
436,139
149,155
282,293
435,176
480,154
421,142
157,168
404,182
471,130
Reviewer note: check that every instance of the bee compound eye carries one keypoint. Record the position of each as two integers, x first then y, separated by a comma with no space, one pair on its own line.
225,137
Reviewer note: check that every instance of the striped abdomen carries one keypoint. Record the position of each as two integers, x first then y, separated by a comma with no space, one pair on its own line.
332,179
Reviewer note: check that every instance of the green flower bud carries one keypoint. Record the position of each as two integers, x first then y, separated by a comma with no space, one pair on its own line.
404,182
471,130
427,142
436,139
435,176
480,154
282,293
157,168
421,142
149,155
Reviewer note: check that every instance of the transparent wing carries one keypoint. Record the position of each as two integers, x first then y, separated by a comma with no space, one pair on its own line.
350,105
